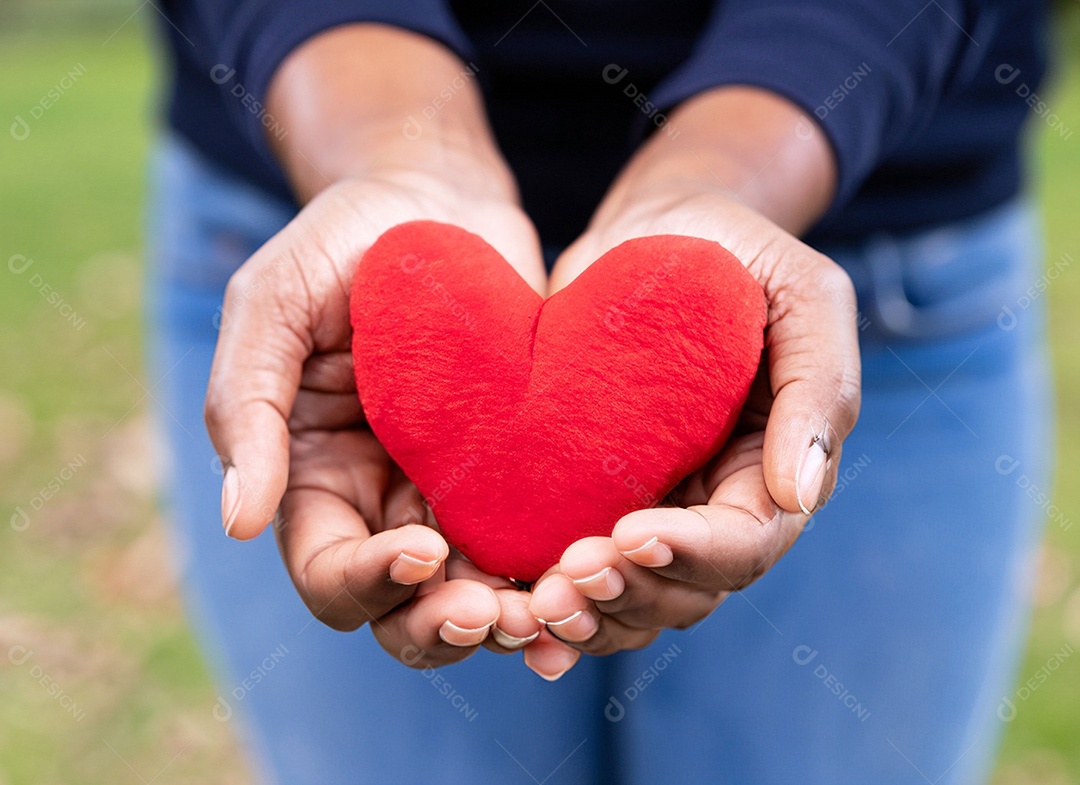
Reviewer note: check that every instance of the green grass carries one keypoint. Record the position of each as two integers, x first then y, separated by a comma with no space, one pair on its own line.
1040,745
79,586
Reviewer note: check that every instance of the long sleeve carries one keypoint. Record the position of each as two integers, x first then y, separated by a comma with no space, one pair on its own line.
871,73
241,44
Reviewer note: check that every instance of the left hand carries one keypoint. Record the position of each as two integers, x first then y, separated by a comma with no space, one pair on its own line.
672,566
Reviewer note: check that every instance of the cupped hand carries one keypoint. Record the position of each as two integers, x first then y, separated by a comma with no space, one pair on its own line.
729,522
283,413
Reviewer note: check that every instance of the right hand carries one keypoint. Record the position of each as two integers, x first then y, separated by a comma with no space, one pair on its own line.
283,413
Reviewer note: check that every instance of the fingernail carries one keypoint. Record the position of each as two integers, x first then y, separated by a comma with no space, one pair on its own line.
407,569
230,498
810,477
652,554
576,627
508,641
463,636
604,585
551,676
559,663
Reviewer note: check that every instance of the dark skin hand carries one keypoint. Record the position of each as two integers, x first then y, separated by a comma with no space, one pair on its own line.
747,169
282,408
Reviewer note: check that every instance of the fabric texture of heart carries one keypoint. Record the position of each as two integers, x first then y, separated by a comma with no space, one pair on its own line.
528,423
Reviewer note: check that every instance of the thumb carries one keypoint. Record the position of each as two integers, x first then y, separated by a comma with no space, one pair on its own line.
253,383
814,372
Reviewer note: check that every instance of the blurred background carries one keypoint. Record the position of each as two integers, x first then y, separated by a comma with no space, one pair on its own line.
100,679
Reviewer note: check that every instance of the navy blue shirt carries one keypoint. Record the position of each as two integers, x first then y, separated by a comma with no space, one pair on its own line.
918,100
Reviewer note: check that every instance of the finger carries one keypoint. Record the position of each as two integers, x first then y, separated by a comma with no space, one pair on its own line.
585,628
594,566
253,383
717,547
549,658
813,355
327,398
516,627
563,610
329,372
614,636
403,503
457,566
346,576
645,600
652,602
723,545
317,410
443,626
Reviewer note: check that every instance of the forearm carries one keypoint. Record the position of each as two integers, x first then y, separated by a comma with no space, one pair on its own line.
345,99
742,142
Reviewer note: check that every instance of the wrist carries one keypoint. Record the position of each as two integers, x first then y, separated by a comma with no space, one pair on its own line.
364,99
472,169
739,143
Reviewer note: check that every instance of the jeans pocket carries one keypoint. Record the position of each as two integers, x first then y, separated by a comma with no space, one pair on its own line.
947,281
205,223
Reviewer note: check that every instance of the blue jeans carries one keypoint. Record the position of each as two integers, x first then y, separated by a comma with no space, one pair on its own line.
878,650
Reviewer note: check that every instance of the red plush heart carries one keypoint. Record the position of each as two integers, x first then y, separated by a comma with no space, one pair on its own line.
528,423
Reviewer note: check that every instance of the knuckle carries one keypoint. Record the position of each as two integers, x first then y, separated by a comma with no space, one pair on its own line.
212,411
215,411
238,284
834,280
